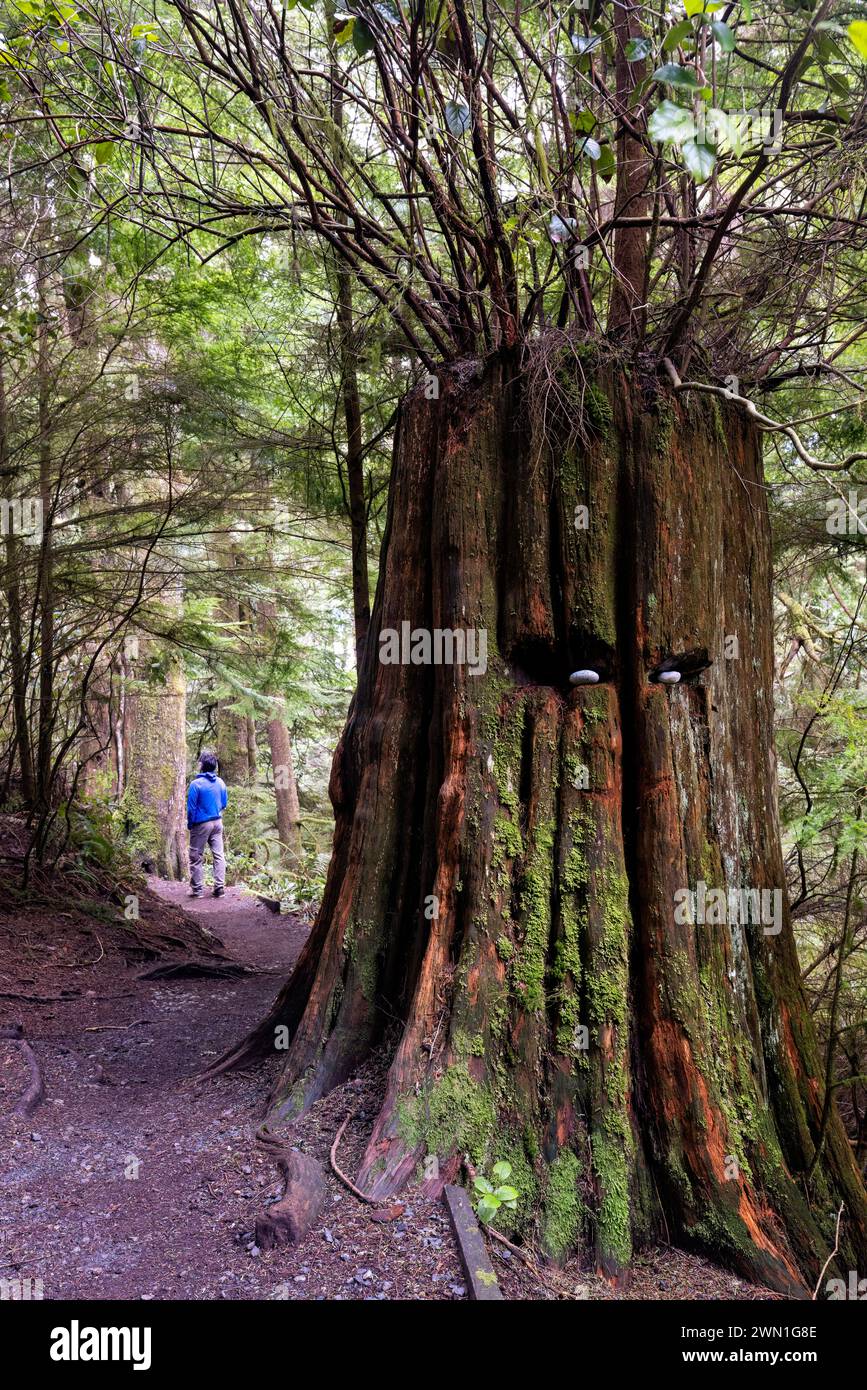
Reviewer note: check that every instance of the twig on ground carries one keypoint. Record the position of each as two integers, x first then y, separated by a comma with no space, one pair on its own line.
117,1027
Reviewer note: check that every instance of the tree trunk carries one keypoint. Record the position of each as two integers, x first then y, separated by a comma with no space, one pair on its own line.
44,740
236,740
285,788
627,311
96,755
18,657
509,847
354,460
347,353
155,752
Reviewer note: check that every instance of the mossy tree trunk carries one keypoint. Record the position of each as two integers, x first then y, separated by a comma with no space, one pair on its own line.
508,847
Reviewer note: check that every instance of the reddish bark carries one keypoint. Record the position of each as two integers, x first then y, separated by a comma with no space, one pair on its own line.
553,826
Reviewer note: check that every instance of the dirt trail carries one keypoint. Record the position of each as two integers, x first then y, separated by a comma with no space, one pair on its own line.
134,1181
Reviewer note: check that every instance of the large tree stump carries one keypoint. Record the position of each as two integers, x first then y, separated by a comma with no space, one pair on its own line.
510,849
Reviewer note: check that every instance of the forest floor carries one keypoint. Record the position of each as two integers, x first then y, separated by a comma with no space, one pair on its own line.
133,1179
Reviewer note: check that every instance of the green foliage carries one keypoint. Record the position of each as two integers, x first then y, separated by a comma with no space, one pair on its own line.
110,835
490,1198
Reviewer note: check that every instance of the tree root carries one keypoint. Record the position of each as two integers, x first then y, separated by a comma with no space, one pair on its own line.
290,1219
61,998
35,1092
196,970
338,1172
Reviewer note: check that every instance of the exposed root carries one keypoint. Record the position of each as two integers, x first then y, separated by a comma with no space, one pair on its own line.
290,1219
60,998
338,1172
35,1092
196,970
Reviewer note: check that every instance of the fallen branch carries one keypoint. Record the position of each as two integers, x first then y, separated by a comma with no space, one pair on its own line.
515,1249
35,1092
117,1027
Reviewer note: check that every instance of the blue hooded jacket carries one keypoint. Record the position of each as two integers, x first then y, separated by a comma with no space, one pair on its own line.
206,798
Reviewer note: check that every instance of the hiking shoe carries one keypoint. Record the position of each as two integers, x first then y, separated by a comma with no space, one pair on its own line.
194,894
218,892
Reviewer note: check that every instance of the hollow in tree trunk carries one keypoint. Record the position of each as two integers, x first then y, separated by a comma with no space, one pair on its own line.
509,848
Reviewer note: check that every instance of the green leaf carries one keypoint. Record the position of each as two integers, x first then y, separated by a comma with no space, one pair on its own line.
362,37
582,120
675,37
636,49
857,32
694,7
487,1209
482,1185
671,122
699,160
838,84
723,35
457,117
103,151
606,164
501,1170
343,26
507,1194
676,76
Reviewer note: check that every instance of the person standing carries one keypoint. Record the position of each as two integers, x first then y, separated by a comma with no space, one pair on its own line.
207,798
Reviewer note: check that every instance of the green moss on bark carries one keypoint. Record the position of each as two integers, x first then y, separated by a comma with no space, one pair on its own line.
563,1208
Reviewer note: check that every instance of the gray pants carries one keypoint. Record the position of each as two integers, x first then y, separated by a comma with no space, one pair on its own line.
208,834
